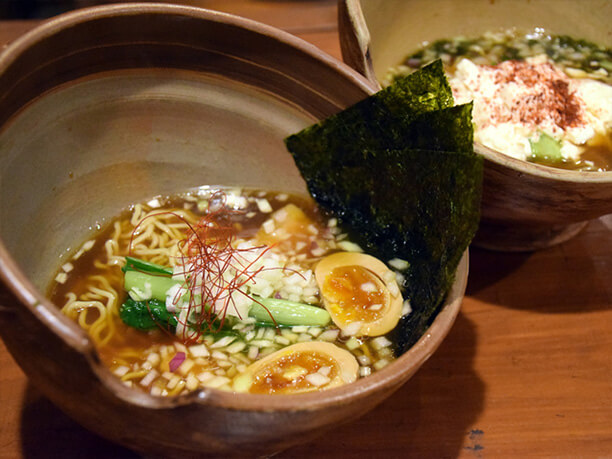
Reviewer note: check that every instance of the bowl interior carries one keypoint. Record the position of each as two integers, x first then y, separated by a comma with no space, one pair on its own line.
81,153
105,107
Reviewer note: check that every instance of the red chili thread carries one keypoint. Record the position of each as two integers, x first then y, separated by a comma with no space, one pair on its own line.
209,252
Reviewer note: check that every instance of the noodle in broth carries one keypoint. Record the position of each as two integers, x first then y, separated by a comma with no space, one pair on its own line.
284,234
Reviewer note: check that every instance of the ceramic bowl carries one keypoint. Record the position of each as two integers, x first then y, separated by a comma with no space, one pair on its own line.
104,107
525,206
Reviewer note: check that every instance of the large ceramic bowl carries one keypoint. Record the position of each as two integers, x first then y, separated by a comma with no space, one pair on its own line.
525,206
105,107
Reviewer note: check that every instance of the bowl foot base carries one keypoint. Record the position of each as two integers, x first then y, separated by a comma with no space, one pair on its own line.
523,238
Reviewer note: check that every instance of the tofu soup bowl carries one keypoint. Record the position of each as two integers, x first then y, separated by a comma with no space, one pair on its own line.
526,205
106,107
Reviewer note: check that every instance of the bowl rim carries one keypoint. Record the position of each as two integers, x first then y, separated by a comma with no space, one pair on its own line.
72,335
359,35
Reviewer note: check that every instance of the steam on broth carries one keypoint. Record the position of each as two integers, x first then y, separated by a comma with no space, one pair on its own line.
239,290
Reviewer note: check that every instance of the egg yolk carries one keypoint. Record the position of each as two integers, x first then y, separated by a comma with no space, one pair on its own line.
354,294
287,374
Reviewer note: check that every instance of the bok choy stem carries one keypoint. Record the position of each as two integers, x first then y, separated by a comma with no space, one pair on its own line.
148,281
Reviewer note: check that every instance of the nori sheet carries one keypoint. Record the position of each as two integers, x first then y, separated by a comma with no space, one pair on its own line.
398,169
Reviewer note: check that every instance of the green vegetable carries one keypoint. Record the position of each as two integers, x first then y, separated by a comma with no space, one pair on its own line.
135,264
546,149
142,286
146,315
288,313
284,313
398,169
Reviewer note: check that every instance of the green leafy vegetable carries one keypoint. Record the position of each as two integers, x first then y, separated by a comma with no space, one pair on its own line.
151,314
399,170
146,315
135,264
156,285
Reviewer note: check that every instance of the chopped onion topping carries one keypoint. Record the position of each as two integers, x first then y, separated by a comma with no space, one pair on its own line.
352,329
380,342
236,347
381,364
399,264
149,378
176,361
226,340
406,308
317,379
192,382
67,267
365,371
329,335
121,370
84,248
325,371
281,215
219,355
217,382
368,287
205,376
352,344
264,206
268,226
349,246
173,297
253,352
393,288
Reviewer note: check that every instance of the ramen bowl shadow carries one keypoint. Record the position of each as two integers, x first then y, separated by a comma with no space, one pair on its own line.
525,206
104,107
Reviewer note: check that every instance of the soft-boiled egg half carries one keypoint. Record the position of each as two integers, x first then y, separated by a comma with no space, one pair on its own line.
301,367
360,293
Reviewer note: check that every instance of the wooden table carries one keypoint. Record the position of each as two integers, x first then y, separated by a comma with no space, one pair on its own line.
525,372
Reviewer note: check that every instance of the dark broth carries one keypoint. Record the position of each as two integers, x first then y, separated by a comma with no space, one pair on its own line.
131,348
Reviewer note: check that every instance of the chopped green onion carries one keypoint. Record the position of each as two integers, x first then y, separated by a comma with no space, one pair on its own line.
135,264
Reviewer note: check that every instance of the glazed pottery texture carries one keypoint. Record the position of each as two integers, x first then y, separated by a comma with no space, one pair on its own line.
525,206
105,107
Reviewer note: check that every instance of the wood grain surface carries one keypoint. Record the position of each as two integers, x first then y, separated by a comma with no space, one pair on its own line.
525,372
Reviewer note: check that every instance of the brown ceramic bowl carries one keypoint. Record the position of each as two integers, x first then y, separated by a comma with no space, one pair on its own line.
525,206
104,107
